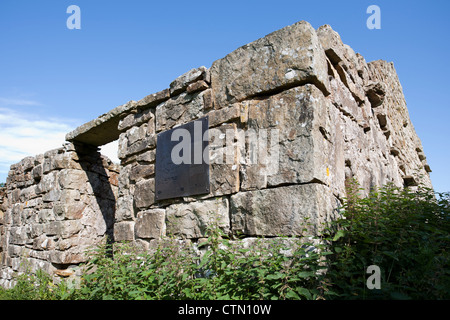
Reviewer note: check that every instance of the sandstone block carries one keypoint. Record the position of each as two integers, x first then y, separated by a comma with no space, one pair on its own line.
153,99
66,257
281,211
344,60
124,231
179,110
73,179
182,82
139,172
64,229
103,129
147,143
197,86
150,224
148,156
285,58
125,209
136,119
191,220
287,139
144,195
220,116
69,210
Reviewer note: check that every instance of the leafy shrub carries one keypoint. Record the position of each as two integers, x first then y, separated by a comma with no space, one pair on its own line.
405,233
225,270
35,286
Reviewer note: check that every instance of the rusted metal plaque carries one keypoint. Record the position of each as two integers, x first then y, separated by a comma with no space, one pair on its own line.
182,161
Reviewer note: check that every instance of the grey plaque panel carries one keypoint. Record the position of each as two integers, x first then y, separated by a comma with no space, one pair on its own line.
180,169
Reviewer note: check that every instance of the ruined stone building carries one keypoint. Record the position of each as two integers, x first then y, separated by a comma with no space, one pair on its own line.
332,116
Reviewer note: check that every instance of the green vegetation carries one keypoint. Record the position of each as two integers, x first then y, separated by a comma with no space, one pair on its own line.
406,234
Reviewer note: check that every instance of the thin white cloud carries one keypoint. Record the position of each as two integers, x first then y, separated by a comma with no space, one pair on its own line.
25,134
9,102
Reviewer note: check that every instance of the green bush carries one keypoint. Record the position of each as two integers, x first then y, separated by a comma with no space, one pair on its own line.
226,270
35,286
405,233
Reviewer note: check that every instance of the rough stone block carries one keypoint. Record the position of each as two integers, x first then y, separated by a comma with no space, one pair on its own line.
103,129
220,116
153,99
150,224
124,231
139,172
136,119
66,257
144,195
124,208
147,143
72,179
179,110
182,82
281,211
285,58
64,229
197,86
284,141
191,220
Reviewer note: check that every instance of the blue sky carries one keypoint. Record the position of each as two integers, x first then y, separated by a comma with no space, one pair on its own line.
54,79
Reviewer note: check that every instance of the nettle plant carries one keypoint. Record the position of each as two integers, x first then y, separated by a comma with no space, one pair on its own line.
406,233
218,268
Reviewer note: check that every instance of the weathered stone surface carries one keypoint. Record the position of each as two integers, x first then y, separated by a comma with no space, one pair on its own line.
150,224
281,211
402,132
345,61
375,92
220,116
139,172
144,195
197,86
147,157
285,142
285,58
125,208
124,231
69,210
103,129
207,99
154,99
136,119
72,179
180,109
66,257
191,220
138,146
182,82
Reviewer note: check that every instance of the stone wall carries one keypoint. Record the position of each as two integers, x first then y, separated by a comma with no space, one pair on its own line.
61,204
3,208
292,116
337,117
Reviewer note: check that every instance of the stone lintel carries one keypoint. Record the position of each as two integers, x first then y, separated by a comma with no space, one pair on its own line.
103,129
